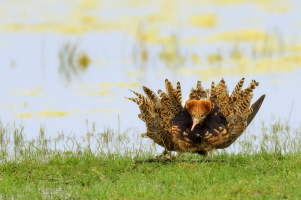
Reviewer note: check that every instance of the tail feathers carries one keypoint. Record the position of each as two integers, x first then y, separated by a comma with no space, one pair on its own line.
245,97
146,106
140,96
220,96
240,113
238,87
168,86
220,89
179,93
135,100
151,95
172,99
174,96
199,92
157,111
255,107
166,102
238,102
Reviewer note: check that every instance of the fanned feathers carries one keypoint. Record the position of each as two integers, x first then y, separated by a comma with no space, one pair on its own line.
210,119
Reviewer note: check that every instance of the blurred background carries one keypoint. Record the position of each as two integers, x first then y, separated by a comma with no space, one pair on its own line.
67,65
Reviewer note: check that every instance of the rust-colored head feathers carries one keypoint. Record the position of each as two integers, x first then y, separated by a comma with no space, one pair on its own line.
198,109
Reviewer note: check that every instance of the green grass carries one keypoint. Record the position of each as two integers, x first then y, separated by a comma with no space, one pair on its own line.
34,169
258,176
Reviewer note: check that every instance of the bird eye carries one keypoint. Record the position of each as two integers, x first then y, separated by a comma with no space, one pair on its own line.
202,115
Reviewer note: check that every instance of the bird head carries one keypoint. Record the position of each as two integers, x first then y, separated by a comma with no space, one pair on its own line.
198,110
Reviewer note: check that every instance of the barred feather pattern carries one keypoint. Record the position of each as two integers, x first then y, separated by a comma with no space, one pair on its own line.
199,92
235,107
158,112
168,123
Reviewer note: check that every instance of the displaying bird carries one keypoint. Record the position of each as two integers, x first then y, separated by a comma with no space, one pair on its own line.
210,119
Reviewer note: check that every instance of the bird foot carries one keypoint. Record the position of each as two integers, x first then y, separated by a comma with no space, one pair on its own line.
166,155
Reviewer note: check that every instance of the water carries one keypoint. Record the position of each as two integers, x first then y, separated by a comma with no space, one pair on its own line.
130,46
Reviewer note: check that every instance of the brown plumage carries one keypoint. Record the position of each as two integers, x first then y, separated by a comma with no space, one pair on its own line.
210,119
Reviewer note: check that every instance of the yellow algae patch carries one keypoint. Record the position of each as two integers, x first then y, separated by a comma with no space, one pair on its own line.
10,106
126,84
245,66
160,17
137,3
294,48
222,2
88,19
88,85
52,113
151,35
75,28
133,84
259,2
293,59
95,85
30,92
272,7
94,93
88,4
169,53
134,73
238,35
44,113
122,84
271,45
196,59
168,39
274,65
236,54
208,20
24,115
213,58
106,84
191,40
169,8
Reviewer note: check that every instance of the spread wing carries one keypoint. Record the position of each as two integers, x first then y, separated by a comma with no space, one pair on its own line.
236,107
158,112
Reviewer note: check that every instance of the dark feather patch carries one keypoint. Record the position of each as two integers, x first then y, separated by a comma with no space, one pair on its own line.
214,120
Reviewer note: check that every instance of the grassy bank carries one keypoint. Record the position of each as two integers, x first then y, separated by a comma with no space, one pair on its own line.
34,169
258,176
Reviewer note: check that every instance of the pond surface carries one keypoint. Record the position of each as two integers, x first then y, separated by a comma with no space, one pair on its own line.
72,66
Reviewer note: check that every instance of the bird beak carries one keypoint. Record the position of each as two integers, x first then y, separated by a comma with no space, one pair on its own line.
195,122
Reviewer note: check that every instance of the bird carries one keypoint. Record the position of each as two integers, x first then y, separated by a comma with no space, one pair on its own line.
209,119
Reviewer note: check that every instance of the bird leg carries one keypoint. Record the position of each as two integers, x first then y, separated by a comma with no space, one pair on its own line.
203,153
166,155
179,154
